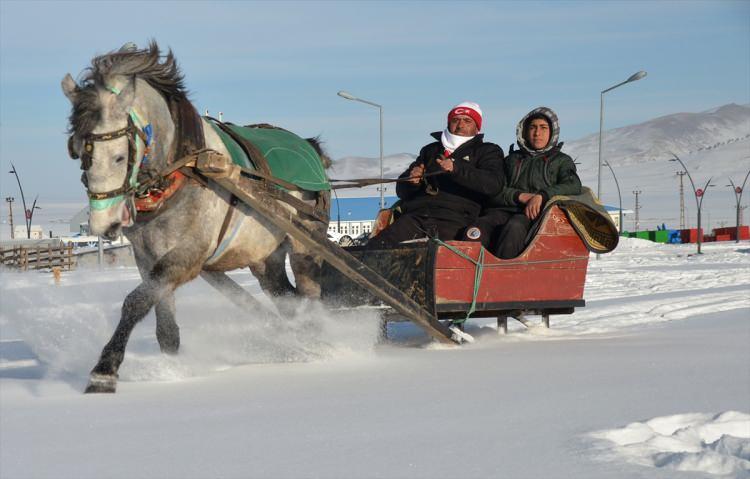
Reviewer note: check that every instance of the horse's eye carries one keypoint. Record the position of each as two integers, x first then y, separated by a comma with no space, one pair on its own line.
119,159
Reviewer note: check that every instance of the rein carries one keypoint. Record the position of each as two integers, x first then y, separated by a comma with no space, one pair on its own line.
360,182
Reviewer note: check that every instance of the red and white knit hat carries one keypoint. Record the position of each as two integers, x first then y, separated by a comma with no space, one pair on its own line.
469,109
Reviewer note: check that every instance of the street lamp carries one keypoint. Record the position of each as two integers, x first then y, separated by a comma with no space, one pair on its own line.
738,196
28,213
633,77
699,195
619,196
349,96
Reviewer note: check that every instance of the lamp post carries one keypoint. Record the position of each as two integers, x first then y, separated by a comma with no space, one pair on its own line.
349,96
633,77
619,196
699,195
28,213
738,197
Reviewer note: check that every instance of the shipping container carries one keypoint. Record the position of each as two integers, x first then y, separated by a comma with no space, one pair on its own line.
659,236
674,236
723,237
690,235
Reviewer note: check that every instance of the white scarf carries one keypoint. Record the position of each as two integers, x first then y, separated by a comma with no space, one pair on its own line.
451,142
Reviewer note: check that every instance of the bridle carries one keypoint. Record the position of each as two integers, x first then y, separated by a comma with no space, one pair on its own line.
134,131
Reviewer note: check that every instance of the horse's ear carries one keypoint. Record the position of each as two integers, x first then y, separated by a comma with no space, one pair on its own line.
69,87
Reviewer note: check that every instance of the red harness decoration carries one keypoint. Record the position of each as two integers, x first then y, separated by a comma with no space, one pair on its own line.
155,198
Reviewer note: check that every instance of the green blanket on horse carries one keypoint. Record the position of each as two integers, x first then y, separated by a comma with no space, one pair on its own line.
289,157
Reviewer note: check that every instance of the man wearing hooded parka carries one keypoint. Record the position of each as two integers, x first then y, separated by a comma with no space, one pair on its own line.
537,171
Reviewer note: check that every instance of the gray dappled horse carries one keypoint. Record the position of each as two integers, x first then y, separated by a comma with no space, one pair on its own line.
131,119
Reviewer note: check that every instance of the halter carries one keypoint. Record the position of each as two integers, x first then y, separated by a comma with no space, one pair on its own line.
134,131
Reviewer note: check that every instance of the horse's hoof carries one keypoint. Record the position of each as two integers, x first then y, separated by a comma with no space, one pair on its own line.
100,383
170,349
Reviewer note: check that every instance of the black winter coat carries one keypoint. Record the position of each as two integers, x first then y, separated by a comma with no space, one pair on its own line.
477,175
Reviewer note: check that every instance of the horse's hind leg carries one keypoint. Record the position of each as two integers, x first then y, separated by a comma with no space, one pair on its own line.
167,331
307,270
271,275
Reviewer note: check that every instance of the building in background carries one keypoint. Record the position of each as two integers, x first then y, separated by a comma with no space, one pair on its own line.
614,213
36,232
355,216
80,222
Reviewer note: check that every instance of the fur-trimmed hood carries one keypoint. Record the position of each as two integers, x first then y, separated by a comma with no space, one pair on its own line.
554,126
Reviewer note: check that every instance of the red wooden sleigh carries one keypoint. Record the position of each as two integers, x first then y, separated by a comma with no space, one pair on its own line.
547,278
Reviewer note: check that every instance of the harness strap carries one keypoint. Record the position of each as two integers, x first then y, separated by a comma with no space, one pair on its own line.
227,220
278,181
298,204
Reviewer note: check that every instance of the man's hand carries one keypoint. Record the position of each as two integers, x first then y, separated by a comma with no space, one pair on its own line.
415,175
446,164
525,197
533,206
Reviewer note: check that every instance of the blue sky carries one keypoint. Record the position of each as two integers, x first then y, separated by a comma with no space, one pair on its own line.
283,62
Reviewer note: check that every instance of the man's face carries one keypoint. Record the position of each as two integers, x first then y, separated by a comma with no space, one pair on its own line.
538,133
462,125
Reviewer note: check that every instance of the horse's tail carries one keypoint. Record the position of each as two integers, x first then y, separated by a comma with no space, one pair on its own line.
317,145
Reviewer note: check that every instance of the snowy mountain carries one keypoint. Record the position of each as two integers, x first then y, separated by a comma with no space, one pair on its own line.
657,139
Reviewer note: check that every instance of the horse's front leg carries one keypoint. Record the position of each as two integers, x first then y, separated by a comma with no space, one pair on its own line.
173,269
167,331
103,378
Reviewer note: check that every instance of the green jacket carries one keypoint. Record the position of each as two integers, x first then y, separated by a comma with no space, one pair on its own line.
549,174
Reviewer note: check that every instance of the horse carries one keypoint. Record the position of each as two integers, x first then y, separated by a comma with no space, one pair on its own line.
130,119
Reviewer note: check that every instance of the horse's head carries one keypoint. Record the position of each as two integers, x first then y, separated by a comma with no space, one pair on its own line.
120,124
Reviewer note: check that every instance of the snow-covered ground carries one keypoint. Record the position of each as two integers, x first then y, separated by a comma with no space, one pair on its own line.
650,379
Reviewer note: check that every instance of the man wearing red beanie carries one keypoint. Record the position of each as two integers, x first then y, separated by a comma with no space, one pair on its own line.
448,183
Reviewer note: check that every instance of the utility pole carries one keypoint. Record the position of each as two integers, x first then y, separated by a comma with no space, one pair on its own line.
682,200
10,201
637,210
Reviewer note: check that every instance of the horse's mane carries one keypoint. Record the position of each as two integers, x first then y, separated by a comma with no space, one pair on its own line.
162,73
